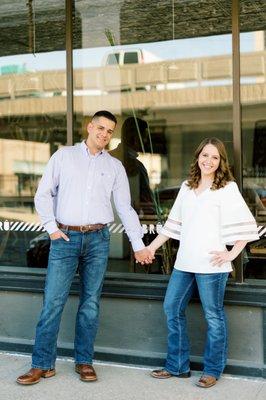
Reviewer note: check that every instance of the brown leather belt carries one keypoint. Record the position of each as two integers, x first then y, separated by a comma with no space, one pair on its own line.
81,228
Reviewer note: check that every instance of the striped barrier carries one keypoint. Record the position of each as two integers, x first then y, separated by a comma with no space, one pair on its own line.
22,226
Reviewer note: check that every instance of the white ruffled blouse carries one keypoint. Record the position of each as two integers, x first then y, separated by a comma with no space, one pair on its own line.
208,222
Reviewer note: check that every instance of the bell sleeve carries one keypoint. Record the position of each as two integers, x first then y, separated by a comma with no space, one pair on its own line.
237,221
172,227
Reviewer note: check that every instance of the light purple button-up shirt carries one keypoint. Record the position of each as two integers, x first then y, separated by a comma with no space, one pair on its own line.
76,189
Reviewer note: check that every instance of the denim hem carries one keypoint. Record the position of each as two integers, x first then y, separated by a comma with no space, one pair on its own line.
175,373
212,374
83,362
41,367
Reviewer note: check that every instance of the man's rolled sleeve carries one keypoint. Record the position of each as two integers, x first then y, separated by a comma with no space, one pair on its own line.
51,227
137,245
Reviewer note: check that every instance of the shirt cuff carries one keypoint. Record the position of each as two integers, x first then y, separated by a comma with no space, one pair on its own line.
51,227
137,245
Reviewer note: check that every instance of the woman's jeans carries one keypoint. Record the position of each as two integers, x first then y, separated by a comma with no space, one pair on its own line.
88,251
211,288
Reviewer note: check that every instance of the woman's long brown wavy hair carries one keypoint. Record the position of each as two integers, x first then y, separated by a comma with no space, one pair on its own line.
222,175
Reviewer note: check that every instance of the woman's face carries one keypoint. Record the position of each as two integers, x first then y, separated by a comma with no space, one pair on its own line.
209,160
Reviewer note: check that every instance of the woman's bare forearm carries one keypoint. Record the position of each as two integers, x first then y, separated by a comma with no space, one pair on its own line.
237,248
220,257
158,242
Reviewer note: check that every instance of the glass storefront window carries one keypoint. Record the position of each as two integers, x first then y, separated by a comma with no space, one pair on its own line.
165,70
32,121
253,102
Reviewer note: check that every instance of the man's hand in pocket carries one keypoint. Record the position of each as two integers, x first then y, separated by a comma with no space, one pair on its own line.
59,234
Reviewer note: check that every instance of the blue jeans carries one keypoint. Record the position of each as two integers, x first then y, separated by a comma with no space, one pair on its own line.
90,252
211,288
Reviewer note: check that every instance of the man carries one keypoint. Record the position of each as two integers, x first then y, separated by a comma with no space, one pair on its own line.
73,201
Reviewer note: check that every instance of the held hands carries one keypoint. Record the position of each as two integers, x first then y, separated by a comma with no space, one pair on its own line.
220,257
145,256
58,234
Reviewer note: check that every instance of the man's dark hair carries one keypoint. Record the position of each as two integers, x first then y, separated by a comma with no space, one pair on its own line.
105,114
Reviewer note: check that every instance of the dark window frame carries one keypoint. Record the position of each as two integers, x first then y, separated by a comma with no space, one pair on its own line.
138,286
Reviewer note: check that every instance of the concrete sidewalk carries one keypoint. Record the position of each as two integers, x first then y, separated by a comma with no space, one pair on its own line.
118,382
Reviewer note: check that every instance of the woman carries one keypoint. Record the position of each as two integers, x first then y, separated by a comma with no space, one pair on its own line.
208,214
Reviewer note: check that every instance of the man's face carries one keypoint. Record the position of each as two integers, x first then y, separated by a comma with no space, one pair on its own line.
100,131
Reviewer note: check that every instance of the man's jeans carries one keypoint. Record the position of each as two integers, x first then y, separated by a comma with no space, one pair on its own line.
211,288
90,252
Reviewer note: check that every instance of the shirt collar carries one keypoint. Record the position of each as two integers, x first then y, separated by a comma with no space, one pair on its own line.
86,151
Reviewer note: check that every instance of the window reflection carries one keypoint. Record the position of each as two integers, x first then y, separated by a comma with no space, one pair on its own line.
169,82
32,121
253,62
168,65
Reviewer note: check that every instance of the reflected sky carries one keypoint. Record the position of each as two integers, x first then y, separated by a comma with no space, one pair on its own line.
171,49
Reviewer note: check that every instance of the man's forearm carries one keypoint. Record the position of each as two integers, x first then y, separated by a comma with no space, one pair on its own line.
131,223
47,190
45,209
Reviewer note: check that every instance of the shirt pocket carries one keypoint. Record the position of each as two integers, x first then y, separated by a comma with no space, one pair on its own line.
105,180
